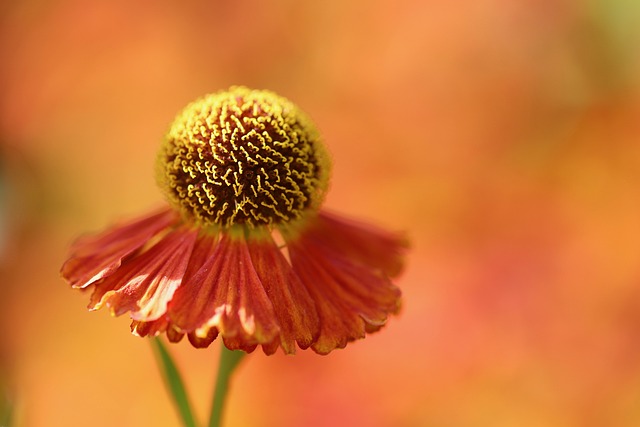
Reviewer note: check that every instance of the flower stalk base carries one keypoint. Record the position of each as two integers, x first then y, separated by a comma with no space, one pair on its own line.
229,360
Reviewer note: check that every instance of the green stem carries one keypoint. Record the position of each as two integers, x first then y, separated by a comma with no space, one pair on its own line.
229,360
174,382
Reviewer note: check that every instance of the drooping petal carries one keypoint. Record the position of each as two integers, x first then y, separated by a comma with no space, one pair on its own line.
371,246
339,323
173,334
202,253
156,327
95,257
151,328
226,294
352,298
203,341
293,306
145,284
240,341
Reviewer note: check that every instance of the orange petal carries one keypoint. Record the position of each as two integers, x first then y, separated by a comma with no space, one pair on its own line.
203,341
95,257
240,342
339,323
145,284
293,306
173,334
226,293
271,347
371,246
152,328
197,291
351,299
202,252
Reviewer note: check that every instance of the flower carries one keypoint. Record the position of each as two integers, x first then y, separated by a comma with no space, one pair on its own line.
243,250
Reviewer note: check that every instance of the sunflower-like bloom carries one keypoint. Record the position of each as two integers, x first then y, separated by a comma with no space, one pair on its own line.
243,250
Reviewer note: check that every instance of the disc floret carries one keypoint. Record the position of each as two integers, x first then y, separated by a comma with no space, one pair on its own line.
243,158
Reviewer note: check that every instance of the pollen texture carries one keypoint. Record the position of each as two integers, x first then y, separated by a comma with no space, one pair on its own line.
243,157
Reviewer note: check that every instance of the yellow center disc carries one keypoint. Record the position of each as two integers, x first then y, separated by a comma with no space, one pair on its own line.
243,157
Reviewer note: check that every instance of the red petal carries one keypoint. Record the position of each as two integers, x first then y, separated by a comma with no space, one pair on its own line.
202,252
240,342
204,341
339,323
173,334
271,347
351,299
145,284
293,306
371,246
95,257
225,293
152,328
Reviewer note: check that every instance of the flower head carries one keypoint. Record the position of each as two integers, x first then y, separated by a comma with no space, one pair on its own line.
243,251
243,158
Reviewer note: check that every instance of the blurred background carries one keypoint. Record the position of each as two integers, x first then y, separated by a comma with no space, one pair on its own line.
503,135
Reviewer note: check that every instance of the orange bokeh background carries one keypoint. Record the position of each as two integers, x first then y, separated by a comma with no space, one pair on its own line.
502,135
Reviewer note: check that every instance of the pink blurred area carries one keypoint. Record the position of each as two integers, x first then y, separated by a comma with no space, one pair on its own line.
503,136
